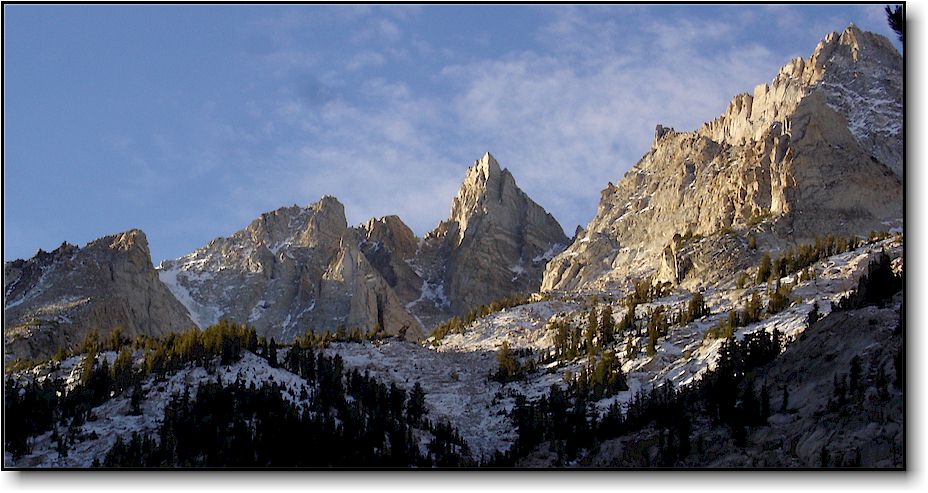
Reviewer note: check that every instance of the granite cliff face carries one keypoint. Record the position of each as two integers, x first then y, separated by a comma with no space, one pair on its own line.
816,151
289,271
296,269
494,244
55,298
390,247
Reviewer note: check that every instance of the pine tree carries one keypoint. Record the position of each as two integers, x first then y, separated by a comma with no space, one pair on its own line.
251,339
135,402
854,376
272,353
607,326
764,270
652,340
742,280
752,311
592,327
508,365
122,369
576,340
415,407
779,298
695,309
87,365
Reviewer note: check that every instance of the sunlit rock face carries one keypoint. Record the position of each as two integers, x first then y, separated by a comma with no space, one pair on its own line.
816,151
494,244
298,269
55,299
291,271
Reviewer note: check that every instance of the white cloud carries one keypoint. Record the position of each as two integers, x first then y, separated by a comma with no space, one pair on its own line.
365,59
566,117
378,155
378,30
568,123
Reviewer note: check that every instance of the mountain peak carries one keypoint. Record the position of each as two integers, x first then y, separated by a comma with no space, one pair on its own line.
327,202
486,166
484,184
807,150
130,238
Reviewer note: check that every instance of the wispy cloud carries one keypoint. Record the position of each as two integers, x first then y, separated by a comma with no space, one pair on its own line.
568,123
568,114
365,59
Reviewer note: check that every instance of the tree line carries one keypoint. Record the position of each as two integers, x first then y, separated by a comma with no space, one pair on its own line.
336,418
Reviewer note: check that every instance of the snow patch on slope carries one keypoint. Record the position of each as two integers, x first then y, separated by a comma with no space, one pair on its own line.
203,316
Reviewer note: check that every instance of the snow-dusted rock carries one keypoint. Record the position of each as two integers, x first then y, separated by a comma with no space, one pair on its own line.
297,269
290,271
815,151
494,244
54,299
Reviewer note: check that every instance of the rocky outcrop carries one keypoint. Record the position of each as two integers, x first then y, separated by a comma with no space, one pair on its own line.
796,159
298,269
54,299
674,263
353,293
290,271
389,245
495,243
859,75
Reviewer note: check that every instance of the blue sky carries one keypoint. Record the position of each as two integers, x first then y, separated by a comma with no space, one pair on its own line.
189,121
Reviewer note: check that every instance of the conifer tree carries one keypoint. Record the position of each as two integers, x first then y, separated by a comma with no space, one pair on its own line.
122,369
854,376
763,270
592,327
508,365
87,366
629,349
272,353
251,339
135,401
415,407
742,280
652,340
753,309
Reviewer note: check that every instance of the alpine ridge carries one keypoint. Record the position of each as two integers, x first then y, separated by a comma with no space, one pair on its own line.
816,151
56,298
290,271
298,269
